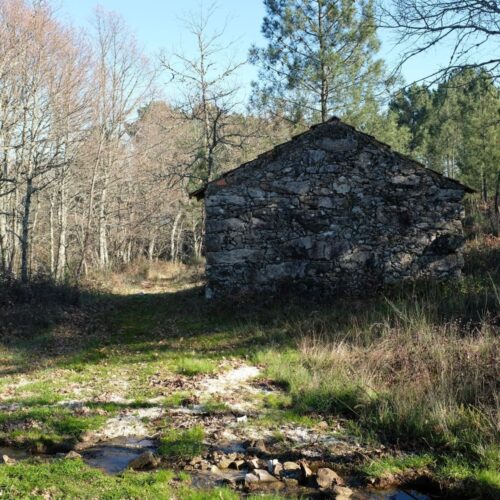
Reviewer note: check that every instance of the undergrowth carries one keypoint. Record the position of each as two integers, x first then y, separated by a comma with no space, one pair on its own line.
418,368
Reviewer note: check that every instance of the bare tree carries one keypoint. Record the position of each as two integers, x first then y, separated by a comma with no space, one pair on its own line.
45,104
470,28
206,82
123,81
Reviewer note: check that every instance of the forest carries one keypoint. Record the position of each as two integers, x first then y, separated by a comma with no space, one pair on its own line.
97,166
120,380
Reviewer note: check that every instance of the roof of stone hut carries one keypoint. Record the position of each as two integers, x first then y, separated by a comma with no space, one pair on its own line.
200,193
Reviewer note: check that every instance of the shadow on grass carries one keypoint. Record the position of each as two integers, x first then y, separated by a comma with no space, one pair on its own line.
66,327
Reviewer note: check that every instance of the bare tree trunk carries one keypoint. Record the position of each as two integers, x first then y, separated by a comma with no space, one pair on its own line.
180,239
52,236
86,232
103,237
173,253
25,238
62,216
324,80
14,232
151,248
33,238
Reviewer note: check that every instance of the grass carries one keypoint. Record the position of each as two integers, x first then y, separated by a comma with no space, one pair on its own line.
73,479
46,427
182,444
415,369
195,366
397,465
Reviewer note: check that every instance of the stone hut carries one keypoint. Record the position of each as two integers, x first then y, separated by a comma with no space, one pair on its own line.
331,211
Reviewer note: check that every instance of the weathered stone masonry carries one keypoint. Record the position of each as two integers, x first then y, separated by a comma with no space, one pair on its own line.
332,210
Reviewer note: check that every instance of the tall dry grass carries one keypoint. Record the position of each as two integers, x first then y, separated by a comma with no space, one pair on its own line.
419,367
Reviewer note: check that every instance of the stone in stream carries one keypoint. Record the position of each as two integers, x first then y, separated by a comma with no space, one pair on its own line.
253,463
195,461
290,482
144,460
342,492
306,471
214,469
326,478
271,464
277,469
72,455
257,447
261,479
291,466
224,463
237,464
7,460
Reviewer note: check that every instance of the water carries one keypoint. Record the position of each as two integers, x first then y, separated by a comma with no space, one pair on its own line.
113,456
15,453
396,495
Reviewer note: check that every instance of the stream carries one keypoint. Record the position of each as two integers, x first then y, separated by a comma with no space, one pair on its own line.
114,455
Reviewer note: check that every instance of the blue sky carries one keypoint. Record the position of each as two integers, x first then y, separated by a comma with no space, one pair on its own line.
158,25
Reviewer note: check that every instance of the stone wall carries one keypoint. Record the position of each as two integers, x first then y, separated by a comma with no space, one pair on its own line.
331,211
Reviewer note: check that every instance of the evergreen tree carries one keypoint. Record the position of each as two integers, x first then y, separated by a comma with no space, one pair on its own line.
454,128
319,60
412,107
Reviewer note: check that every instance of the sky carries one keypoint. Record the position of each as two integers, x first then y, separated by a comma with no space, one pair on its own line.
158,26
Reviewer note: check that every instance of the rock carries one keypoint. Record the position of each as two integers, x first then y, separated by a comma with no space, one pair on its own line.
327,477
342,492
251,477
144,460
290,482
237,464
72,455
264,476
306,471
7,460
224,463
242,419
291,466
214,469
271,464
257,447
277,469
260,479
252,464
195,460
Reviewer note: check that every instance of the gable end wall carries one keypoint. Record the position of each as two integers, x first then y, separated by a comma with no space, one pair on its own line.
331,212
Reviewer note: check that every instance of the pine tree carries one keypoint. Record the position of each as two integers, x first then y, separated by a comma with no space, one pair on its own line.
319,59
413,108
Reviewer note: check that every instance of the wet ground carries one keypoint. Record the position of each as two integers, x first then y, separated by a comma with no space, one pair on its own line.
113,456
232,435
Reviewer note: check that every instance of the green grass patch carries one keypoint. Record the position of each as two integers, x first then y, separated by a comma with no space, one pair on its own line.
73,479
178,443
42,426
397,465
192,366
